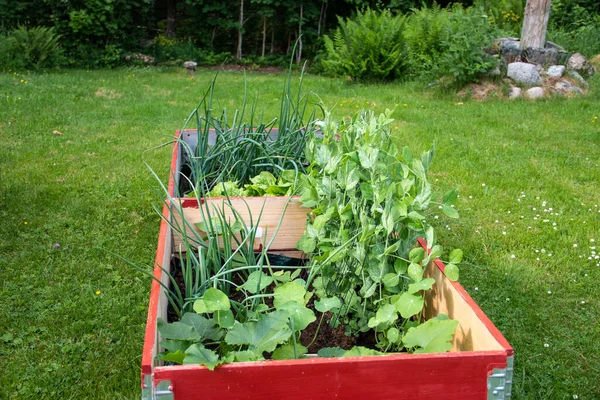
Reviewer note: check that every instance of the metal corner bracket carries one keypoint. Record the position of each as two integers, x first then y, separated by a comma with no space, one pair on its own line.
500,381
163,390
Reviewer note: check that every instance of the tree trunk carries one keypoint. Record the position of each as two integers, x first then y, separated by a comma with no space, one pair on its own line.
238,54
264,35
272,40
320,19
535,23
171,17
299,53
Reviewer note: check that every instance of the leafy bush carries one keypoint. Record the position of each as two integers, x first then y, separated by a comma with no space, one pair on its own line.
505,15
369,46
30,48
449,43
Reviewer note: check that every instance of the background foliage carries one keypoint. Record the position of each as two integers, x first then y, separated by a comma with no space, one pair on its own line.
102,33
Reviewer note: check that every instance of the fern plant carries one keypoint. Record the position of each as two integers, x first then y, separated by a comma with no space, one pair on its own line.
30,48
368,47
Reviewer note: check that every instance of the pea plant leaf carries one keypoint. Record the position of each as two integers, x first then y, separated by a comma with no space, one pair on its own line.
415,272
433,336
385,315
409,305
425,284
198,354
262,335
456,256
451,271
450,211
450,197
331,352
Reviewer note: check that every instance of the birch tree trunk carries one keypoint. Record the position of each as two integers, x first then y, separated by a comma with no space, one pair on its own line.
299,53
535,23
238,53
264,35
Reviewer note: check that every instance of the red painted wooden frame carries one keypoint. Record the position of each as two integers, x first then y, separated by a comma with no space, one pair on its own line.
456,375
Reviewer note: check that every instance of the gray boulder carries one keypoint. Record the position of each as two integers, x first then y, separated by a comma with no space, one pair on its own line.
515,93
578,79
552,45
555,71
581,65
191,67
566,88
524,74
534,93
541,56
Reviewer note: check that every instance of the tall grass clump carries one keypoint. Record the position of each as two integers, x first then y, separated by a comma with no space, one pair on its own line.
449,43
575,26
367,47
30,48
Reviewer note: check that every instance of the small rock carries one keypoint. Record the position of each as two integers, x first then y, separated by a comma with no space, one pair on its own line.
578,79
524,73
581,65
556,71
541,56
566,88
534,93
552,45
515,93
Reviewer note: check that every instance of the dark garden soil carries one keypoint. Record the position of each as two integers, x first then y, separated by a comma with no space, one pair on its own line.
326,336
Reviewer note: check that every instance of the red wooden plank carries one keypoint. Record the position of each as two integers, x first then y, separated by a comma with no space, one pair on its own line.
150,334
419,376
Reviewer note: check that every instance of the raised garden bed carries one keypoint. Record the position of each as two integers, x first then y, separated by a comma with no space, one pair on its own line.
478,367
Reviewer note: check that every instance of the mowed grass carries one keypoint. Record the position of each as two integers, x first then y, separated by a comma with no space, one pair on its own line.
74,187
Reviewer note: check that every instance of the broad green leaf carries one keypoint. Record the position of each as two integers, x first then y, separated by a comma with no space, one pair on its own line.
430,237
391,280
416,255
257,281
198,354
393,335
301,316
450,197
456,256
451,271
376,269
262,335
177,331
427,157
423,198
368,157
306,244
415,216
176,357
245,355
215,300
206,328
433,336
320,221
450,211
385,315
286,352
434,253
288,292
419,170
224,318
407,154
409,305
330,352
415,272
359,351
173,346
327,304
425,284
400,266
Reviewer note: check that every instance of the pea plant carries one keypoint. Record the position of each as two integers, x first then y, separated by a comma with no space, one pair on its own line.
369,203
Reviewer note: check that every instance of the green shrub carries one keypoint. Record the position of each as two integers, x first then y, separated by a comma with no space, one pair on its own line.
30,48
505,15
584,39
369,46
449,43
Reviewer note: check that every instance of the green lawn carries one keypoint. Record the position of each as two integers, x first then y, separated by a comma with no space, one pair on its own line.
72,316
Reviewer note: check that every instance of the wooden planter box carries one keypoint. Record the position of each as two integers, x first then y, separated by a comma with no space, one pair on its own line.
478,367
282,219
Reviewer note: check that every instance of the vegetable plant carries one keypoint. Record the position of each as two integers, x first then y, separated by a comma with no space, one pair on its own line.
369,202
